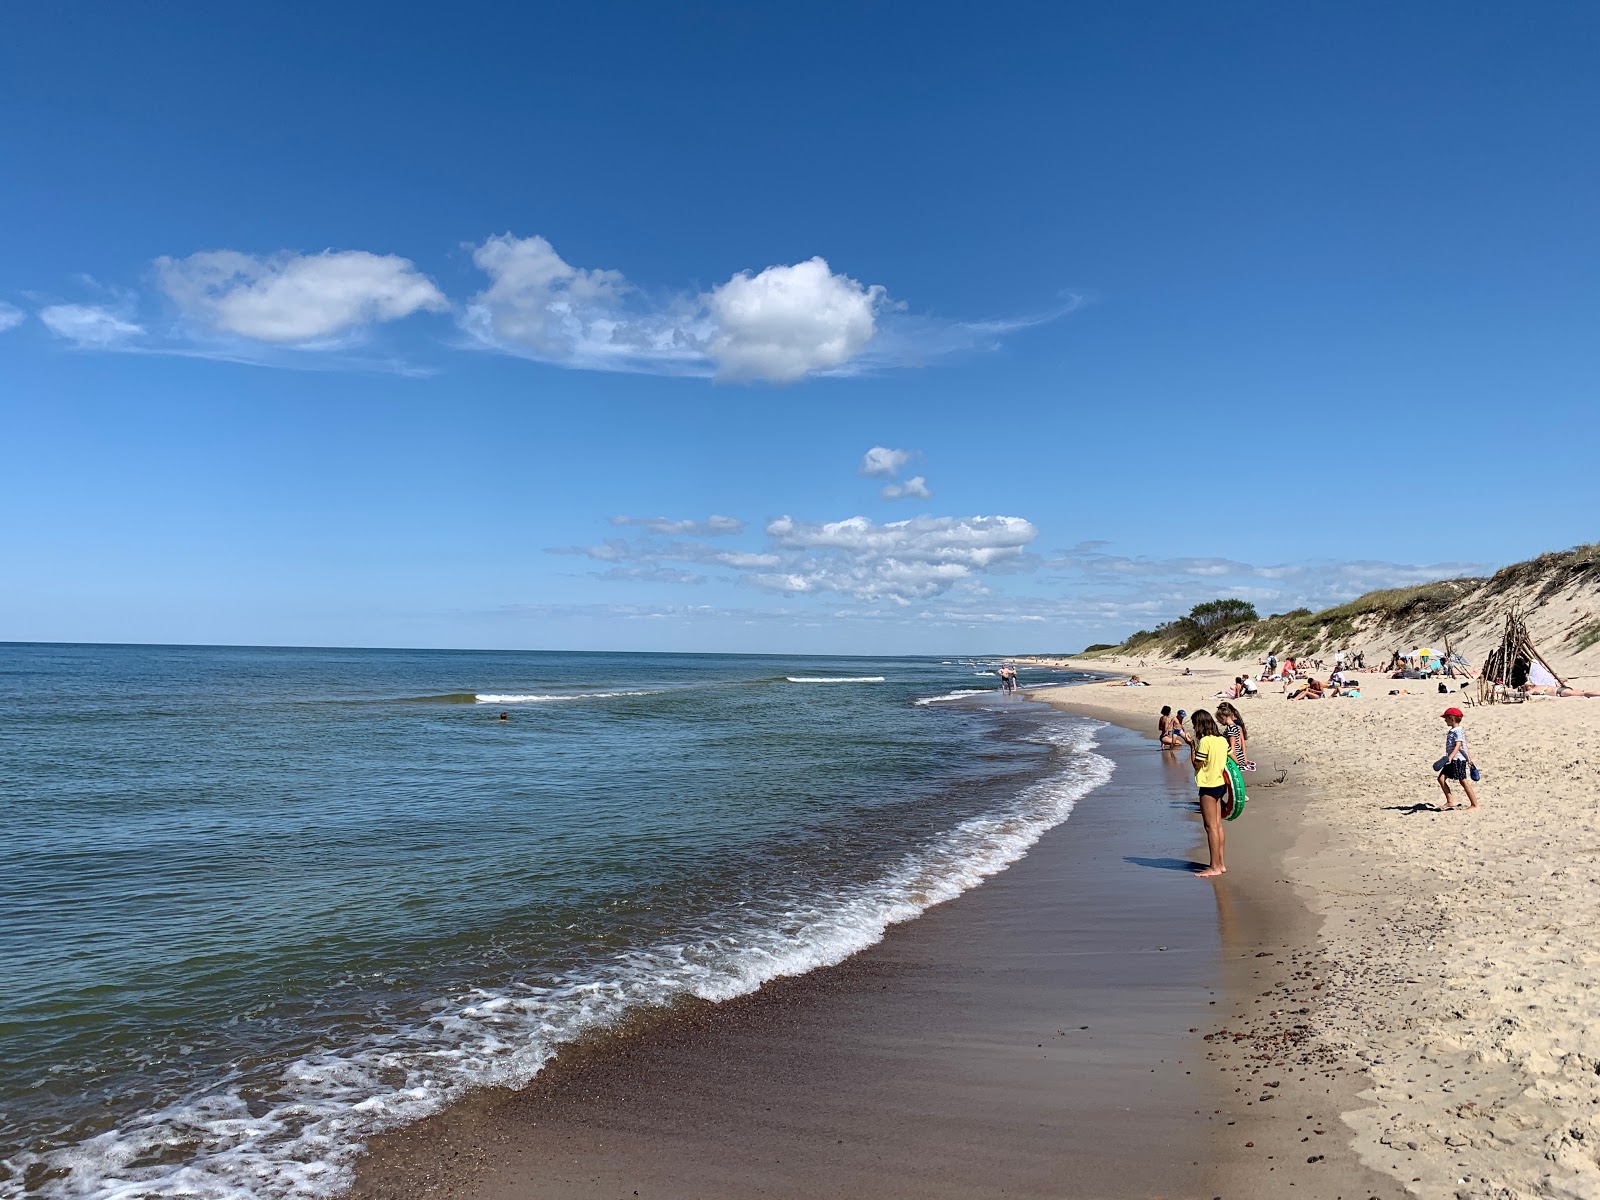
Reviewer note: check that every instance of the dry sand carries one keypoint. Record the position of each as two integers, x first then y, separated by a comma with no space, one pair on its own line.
1453,973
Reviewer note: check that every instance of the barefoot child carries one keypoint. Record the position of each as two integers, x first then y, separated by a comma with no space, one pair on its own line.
1210,760
1457,762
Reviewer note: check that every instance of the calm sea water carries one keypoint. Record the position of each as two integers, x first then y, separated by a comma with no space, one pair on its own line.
257,904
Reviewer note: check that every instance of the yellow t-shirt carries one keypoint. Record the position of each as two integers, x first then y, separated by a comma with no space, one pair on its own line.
1213,755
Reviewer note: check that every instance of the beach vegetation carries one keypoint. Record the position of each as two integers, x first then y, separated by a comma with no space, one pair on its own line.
1212,617
1585,635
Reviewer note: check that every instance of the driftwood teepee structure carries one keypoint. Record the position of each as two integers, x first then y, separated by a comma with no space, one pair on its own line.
1512,662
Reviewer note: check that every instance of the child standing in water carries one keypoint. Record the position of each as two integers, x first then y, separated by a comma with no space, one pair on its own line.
1210,760
1457,762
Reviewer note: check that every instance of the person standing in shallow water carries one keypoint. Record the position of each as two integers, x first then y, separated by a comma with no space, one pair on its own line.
1210,760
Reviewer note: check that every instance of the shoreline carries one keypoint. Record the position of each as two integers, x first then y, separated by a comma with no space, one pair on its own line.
948,1059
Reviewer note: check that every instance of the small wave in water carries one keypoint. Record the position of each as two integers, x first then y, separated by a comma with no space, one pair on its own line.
834,678
303,1141
955,695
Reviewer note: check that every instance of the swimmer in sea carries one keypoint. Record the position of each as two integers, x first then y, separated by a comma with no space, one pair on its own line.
505,716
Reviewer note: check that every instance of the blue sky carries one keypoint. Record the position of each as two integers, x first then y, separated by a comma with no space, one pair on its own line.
457,326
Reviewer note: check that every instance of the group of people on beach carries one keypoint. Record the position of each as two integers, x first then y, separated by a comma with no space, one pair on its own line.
1214,738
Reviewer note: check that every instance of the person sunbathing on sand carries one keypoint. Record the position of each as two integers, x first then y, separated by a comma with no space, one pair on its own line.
1312,691
1535,689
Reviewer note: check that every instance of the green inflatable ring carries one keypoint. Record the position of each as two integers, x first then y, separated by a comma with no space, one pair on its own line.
1233,802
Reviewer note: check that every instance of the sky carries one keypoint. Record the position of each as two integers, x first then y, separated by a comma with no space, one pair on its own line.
836,328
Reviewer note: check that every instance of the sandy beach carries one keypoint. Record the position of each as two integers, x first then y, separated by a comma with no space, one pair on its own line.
1448,980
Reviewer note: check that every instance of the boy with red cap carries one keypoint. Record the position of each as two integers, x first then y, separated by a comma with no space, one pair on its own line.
1457,763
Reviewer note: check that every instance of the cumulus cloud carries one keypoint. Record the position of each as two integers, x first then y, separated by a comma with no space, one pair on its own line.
884,462
295,299
914,488
777,326
712,526
787,322
90,326
10,316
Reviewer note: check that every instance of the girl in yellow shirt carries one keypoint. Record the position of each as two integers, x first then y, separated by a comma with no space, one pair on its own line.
1210,759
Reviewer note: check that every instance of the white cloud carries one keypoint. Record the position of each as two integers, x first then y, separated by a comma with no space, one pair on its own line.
296,299
914,488
10,316
899,562
712,526
882,461
777,326
90,326
787,322
974,541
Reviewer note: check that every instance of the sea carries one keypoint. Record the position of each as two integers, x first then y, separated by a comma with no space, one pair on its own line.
257,905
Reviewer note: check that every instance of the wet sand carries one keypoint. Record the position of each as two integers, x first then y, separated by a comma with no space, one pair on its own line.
1038,1036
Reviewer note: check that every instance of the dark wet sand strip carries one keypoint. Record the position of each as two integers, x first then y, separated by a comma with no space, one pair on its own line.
1031,1038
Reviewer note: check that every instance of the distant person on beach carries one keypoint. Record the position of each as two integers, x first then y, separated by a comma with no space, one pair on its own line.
1312,691
1250,688
1210,761
1164,724
1456,763
1234,731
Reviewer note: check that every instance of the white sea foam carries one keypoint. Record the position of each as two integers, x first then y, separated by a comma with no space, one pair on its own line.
302,1142
531,698
955,695
834,678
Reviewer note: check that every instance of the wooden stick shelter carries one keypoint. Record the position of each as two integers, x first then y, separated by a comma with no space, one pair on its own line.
1510,664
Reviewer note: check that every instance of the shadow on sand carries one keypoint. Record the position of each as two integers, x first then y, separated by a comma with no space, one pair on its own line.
1165,864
